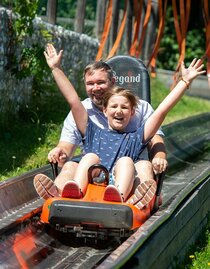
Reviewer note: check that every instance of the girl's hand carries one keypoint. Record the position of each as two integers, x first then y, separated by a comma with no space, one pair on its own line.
53,59
194,70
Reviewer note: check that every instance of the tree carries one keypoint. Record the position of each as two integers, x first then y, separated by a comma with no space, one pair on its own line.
129,25
80,16
100,17
51,11
115,20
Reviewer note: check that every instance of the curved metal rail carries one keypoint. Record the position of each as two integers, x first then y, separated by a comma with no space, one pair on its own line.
164,237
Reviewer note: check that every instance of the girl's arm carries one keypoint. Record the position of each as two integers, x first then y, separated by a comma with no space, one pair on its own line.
80,114
156,119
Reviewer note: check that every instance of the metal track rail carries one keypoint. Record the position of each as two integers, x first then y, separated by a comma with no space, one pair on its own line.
185,192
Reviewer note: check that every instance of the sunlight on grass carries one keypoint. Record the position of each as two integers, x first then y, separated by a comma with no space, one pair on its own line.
25,145
199,257
188,106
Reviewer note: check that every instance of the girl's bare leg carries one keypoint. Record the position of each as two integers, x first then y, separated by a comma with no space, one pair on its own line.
81,174
144,187
67,173
144,172
124,176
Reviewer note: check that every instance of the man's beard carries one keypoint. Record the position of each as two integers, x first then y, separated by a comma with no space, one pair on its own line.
98,103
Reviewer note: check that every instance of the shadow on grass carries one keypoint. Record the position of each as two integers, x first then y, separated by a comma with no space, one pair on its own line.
20,137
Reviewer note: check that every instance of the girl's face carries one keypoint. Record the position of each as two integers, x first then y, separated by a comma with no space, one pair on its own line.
118,112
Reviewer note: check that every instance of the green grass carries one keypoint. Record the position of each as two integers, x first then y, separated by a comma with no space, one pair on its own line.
186,107
198,257
26,141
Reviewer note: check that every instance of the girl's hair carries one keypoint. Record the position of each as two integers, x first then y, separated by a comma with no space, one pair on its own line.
132,98
98,65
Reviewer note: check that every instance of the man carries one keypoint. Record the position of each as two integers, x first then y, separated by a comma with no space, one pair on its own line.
98,78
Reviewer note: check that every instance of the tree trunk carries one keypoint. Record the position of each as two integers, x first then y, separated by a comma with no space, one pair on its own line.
151,35
100,17
51,11
80,16
115,21
129,26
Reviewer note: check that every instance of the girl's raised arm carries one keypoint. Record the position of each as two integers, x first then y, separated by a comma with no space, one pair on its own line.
156,119
66,88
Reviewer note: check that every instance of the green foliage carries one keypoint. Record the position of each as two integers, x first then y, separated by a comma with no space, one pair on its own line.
198,256
26,12
25,142
66,9
91,9
32,62
195,47
26,57
169,50
42,7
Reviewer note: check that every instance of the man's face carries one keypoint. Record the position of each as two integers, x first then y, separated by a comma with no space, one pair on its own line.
96,84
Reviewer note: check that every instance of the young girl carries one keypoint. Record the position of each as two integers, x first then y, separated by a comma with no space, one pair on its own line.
113,147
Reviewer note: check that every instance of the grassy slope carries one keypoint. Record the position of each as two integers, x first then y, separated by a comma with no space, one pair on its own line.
26,142
187,106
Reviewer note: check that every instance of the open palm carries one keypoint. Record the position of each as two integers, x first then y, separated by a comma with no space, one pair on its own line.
52,57
194,70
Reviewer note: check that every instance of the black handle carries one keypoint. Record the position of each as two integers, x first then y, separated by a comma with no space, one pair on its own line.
102,168
54,169
159,178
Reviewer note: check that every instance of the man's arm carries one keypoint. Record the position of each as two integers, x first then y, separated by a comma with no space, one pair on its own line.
157,154
156,148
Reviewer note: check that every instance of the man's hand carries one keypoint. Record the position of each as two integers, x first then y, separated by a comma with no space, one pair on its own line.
57,155
159,165
157,153
62,153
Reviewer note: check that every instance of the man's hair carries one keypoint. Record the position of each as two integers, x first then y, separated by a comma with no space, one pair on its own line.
133,99
98,65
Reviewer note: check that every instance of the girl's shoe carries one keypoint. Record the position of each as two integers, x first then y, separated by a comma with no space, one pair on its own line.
112,194
45,187
72,190
143,194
